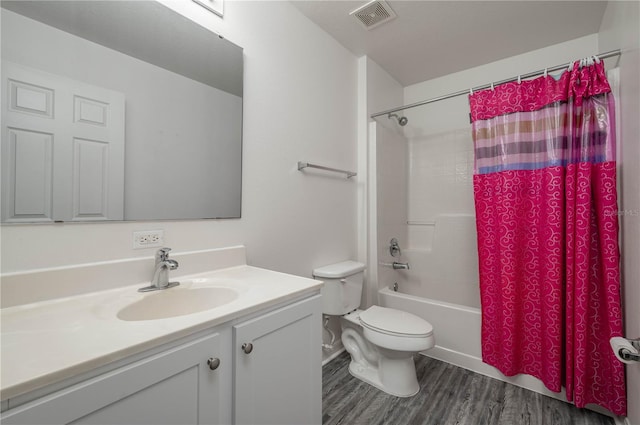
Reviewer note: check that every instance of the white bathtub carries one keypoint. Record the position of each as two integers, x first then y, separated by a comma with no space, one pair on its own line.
457,332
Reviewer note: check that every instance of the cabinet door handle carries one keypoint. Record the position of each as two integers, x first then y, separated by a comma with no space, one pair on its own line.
213,363
247,347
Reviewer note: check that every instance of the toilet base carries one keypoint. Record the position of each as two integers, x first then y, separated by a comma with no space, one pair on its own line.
399,380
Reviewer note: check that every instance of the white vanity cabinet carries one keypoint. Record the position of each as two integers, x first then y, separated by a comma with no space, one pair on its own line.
176,386
207,379
278,372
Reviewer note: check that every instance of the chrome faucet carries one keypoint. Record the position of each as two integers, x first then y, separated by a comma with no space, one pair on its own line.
397,265
161,274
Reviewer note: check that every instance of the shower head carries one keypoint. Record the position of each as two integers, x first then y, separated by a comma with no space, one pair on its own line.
401,120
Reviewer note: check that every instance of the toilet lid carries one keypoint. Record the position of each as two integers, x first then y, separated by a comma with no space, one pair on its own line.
390,320
339,270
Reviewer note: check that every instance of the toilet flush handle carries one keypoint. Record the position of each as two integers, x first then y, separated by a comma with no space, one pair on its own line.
343,280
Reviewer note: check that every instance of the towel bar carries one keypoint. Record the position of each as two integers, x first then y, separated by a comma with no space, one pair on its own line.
302,165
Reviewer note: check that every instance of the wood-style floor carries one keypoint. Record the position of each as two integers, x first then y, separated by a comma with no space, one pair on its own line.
448,395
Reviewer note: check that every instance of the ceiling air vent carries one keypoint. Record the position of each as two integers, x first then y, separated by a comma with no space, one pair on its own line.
373,14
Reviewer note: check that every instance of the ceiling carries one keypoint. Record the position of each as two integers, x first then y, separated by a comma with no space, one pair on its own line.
429,39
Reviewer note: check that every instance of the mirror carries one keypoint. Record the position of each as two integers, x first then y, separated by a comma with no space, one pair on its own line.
117,110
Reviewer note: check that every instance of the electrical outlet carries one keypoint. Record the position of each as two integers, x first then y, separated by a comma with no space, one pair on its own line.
148,239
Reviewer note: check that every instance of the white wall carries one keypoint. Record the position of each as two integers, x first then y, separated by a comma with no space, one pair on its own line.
377,90
299,104
620,29
441,173
168,117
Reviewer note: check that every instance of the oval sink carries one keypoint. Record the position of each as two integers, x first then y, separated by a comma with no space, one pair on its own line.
176,302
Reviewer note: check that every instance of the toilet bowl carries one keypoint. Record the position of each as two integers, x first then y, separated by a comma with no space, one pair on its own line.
382,355
381,341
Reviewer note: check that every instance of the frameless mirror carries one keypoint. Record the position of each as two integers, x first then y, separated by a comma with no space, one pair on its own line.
117,110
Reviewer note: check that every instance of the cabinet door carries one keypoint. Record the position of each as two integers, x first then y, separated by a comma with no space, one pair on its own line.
173,387
280,380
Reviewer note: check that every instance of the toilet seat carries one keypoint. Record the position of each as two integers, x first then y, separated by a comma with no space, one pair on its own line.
397,330
395,322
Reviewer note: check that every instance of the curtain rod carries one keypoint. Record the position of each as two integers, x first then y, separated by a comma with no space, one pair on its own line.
606,55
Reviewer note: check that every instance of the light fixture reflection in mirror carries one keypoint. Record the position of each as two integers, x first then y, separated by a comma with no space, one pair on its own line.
117,110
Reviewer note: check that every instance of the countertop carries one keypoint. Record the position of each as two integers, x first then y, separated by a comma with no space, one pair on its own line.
46,342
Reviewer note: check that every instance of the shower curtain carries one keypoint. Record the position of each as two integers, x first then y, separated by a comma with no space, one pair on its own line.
546,216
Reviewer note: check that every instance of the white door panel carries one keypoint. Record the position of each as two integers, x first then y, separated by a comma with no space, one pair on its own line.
83,171
27,160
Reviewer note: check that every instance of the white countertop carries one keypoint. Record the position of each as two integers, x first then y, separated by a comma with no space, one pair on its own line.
49,341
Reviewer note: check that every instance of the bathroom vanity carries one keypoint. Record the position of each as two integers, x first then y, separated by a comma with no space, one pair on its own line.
254,359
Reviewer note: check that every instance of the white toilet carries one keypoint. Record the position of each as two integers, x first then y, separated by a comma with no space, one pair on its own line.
381,341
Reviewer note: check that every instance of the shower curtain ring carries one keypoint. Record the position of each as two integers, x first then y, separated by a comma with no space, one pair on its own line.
492,88
519,79
545,72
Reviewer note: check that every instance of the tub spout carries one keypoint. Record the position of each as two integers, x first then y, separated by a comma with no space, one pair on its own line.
398,266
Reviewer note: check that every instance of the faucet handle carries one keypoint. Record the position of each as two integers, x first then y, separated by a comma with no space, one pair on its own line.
162,254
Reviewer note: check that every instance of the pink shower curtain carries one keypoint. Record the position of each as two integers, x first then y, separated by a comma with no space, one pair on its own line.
546,214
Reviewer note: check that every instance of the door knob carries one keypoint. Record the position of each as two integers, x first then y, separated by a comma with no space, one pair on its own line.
247,347
213,363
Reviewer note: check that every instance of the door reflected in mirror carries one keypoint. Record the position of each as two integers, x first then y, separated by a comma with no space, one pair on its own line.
117,110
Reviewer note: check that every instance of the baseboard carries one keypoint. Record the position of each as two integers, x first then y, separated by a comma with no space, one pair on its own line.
476,364
333,356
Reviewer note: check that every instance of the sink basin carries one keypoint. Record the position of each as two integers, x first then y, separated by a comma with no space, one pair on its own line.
176,302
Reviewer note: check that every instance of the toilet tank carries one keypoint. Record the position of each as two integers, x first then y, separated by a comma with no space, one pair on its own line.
342,288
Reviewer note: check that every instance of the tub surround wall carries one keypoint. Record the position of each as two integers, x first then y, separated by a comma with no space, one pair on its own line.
432,273
391,187
299,104
387,155
387,177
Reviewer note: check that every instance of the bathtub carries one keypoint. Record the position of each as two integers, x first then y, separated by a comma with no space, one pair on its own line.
457,332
